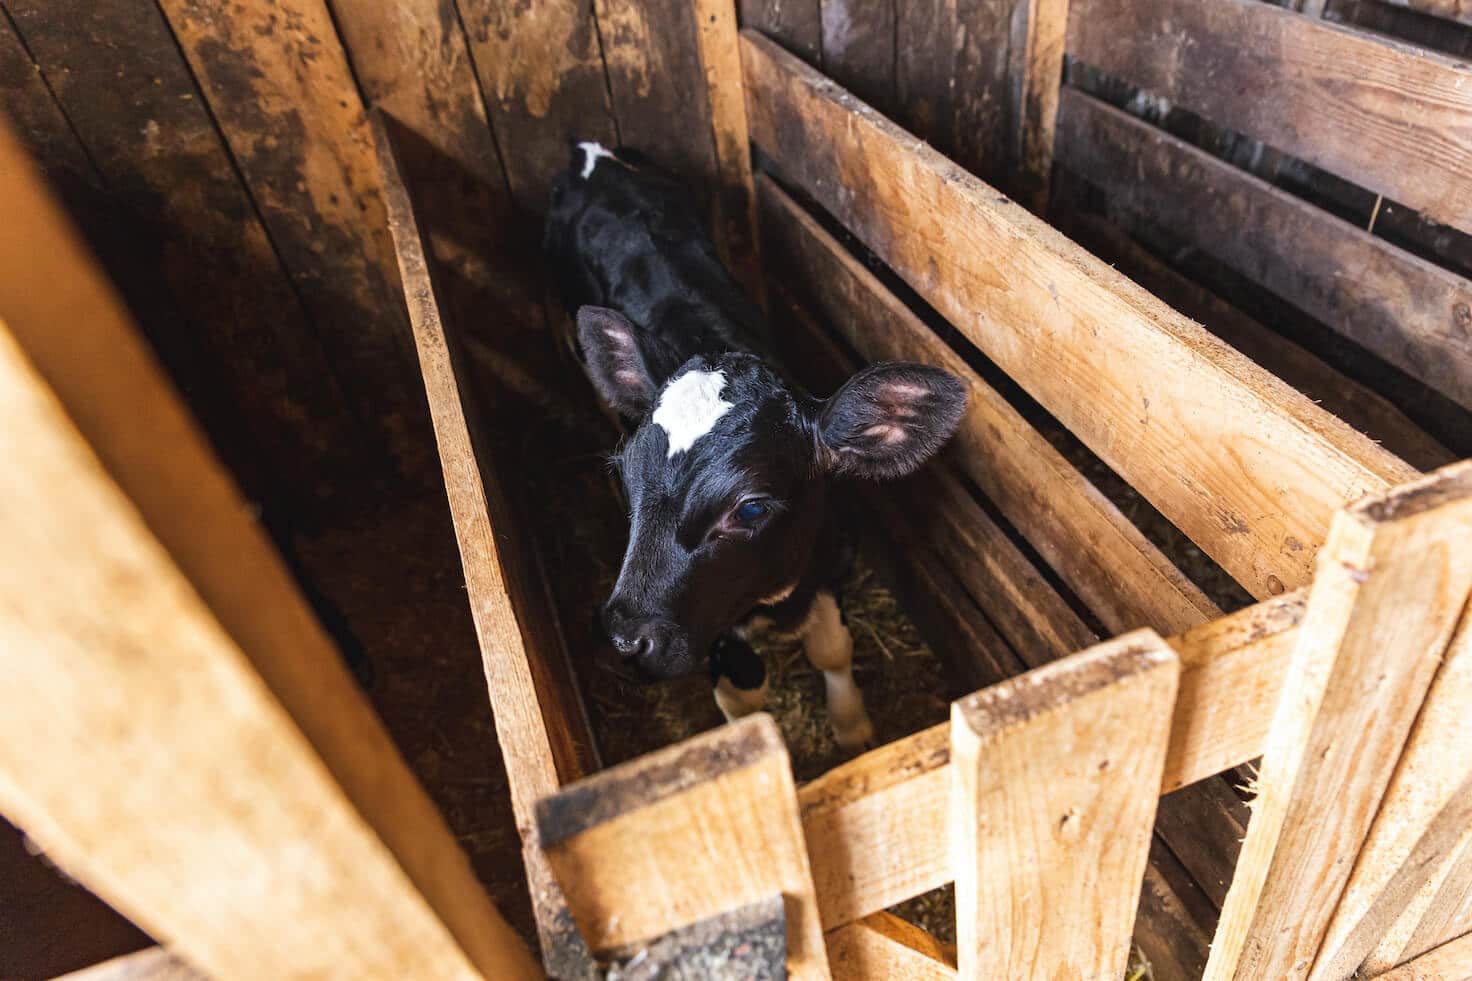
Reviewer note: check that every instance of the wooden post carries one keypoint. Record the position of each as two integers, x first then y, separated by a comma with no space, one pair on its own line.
682,834
1055,780
176,730
1391,586
1035,70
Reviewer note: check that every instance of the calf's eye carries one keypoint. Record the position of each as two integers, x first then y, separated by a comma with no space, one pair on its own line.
750,512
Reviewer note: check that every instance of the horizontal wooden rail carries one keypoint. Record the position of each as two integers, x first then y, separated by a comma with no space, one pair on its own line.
1385,115
876,827
1412,313
1248,468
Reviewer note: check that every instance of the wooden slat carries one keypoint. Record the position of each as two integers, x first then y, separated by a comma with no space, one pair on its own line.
1246,467
720,58
885,946
1173,925
1104,558
1408,311
876,826
152,633
859,48
279,86
1391,586
683,834
1363,408
1054,784
1450,962
35,115
1433,771
1387,116
1036,76
538,719
152,964
1450,913
795,24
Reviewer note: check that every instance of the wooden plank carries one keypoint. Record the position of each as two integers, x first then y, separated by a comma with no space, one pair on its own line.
541,70
1408,311
876,826
884,946
1450,962
859,43
735,222
795,24
1172,926
265,387
278,84
537,710
1450,913
682,834
1433,771
320,852
1249,469
1384,115
1054,784
35,115
151,964
1364,409
1102,557
925,65
1391,586
1036,55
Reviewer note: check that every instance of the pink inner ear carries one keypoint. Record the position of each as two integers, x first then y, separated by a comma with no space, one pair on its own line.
887,434
628,377
907,393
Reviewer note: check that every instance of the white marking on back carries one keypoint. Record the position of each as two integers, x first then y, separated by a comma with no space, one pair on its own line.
592,153
689,407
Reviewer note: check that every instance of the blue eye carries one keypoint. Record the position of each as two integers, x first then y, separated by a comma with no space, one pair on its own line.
752,511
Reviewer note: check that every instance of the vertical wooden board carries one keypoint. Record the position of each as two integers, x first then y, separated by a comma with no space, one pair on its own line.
278,83
1450,914
1246,467
1432,772
1451,961
1170,925
927,37
797,25
130,97
541,70
1392,583
653,58
683,834
35,115
859,48
1104,558
1412,313
1385,115
1053,791
1036,75
735,211
115,395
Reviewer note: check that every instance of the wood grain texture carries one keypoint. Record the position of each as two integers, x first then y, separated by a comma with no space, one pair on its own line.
320,853
1416,315
859,48
1387,116
683,834
35,116
1113,568
541,70
1366,410
544,736
1403,864
1173,925
1451,961
1249,469
884,946
151,964
1053,792
1392,584
266,388
797,25
1450,914
279,86
1038,33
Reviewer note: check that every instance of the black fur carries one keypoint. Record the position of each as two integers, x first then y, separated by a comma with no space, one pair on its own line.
632,257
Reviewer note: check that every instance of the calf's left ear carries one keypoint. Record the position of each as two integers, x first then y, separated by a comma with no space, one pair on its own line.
888,419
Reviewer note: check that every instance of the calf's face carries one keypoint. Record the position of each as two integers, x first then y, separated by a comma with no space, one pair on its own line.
726,478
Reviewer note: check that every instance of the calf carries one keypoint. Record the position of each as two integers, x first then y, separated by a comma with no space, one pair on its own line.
729,466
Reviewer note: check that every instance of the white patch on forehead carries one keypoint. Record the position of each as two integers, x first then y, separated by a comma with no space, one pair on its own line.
592,153
689,407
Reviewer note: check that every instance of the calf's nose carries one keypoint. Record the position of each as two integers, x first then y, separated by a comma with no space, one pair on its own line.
636,638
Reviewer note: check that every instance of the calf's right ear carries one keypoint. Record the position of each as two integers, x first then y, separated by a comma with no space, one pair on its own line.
615,363
889,418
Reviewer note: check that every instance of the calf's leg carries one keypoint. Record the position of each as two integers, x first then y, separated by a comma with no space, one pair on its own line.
739,676
830,648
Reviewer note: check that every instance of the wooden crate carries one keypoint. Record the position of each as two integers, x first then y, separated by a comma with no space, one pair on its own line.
1041,800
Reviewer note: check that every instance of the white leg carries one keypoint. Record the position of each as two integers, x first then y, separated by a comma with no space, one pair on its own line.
735,702
830,648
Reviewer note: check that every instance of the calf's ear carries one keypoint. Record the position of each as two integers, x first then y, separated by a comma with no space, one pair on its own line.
888,419
615,363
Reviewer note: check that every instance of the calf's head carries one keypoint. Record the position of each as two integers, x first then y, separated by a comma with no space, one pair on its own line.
726,477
